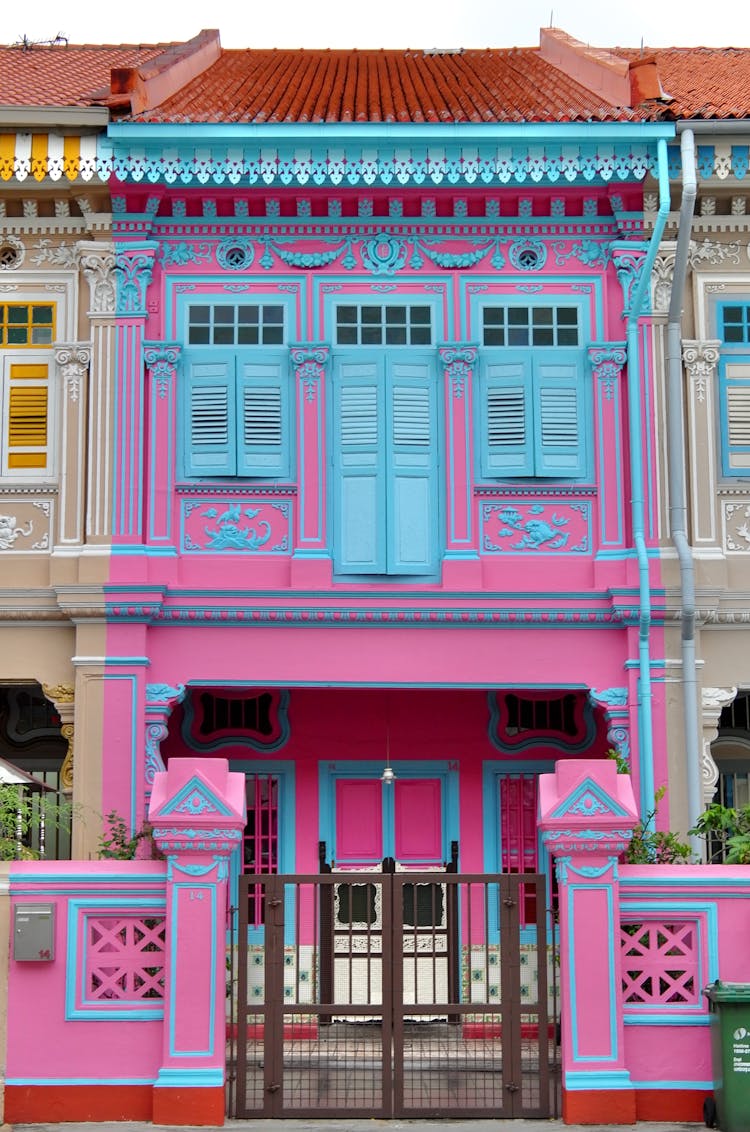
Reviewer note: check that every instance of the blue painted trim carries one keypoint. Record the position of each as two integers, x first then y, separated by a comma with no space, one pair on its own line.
689,1086
97,1010
79,1080
196,785
697,910
174,958
590,1080
588,786
666,1019
614,990
235,741
63,880
534,740
198,1078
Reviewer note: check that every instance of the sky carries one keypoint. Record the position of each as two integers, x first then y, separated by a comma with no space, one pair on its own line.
382,23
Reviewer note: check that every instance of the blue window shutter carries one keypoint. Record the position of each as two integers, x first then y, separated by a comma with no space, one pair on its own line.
358,468
559,418
263,418
210,444
507,418
735,412
412,467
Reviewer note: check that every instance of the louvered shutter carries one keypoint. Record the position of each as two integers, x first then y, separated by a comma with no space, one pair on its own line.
411,470
736,413
263,415
559,418
507,421
358,469
26,421
211,426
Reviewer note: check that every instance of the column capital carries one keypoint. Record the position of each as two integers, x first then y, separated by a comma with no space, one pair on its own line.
458,364
309,361
700,358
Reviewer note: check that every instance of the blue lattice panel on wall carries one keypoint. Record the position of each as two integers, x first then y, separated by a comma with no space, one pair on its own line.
227,525
536,526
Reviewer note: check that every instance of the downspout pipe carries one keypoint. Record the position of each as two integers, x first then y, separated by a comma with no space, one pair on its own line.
638,505
677,491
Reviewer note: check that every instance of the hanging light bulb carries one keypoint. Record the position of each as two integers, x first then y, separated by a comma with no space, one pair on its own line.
388,776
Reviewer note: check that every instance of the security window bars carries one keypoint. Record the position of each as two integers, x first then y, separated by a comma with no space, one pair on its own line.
530,326
27,324
261,838
383,325
244,324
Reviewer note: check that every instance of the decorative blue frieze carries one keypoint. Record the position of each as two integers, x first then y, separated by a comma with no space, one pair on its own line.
591,253
235,526
528,254
514,526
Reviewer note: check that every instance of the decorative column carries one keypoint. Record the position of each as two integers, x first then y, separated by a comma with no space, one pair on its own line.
161,700
198,815
162,364
459,363
311,563
63,697
72,362
97,262
713,702
587,813
614,701
607,361
628,258
701,359
133,267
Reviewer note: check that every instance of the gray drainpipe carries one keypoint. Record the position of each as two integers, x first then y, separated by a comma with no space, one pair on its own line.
676,479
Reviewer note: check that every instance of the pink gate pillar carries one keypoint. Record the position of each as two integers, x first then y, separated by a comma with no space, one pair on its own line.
587,812
198,814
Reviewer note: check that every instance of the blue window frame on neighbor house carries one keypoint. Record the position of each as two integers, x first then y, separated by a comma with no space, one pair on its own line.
734,387
533,405
237,407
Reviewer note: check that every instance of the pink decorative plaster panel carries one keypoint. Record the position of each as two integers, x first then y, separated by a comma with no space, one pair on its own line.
235,525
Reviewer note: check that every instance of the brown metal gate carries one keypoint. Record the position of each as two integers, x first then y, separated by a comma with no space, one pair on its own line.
395,995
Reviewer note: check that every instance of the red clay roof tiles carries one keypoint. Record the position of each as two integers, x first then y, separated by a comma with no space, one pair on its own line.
65,75
511,85
702,82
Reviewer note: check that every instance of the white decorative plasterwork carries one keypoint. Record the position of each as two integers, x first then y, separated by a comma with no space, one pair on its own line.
661,282
98,267
736,527
16,255
700,359
72,363
713,702
710,253
56,255
10,531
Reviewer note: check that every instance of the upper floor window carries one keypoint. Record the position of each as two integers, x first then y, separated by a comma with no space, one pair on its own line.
246,324
530,326
26,324
383,325
734,388
237,406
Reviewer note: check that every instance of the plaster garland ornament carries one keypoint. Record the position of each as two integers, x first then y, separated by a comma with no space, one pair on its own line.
72,363
700,359
56,255
98,267
12,252
712,253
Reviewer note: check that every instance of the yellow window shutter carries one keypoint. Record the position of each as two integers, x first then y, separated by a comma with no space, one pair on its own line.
27,417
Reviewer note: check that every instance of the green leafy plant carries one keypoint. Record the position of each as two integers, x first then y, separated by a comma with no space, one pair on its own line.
22,815
649,845
730,828
121,844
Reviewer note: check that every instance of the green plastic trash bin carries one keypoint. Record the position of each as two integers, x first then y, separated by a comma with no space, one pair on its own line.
730,1049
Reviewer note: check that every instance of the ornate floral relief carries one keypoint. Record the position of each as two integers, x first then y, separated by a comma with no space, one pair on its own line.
606,362
9,531
516,527
591,253
98,267
610,697
711,253
56,255
458,364
133,275
700,360
72,363
736,525
661,282
162,361
241,525
182,253
619,740
628,265
309,367
66,770
59,693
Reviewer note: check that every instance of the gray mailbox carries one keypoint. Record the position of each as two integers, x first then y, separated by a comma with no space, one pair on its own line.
34,932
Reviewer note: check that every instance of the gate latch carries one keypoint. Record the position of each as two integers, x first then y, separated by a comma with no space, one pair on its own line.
273,904
512,1087
509,903
275,1088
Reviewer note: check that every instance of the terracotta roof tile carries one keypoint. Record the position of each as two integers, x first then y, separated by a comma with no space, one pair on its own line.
702,82
65,75
509,85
